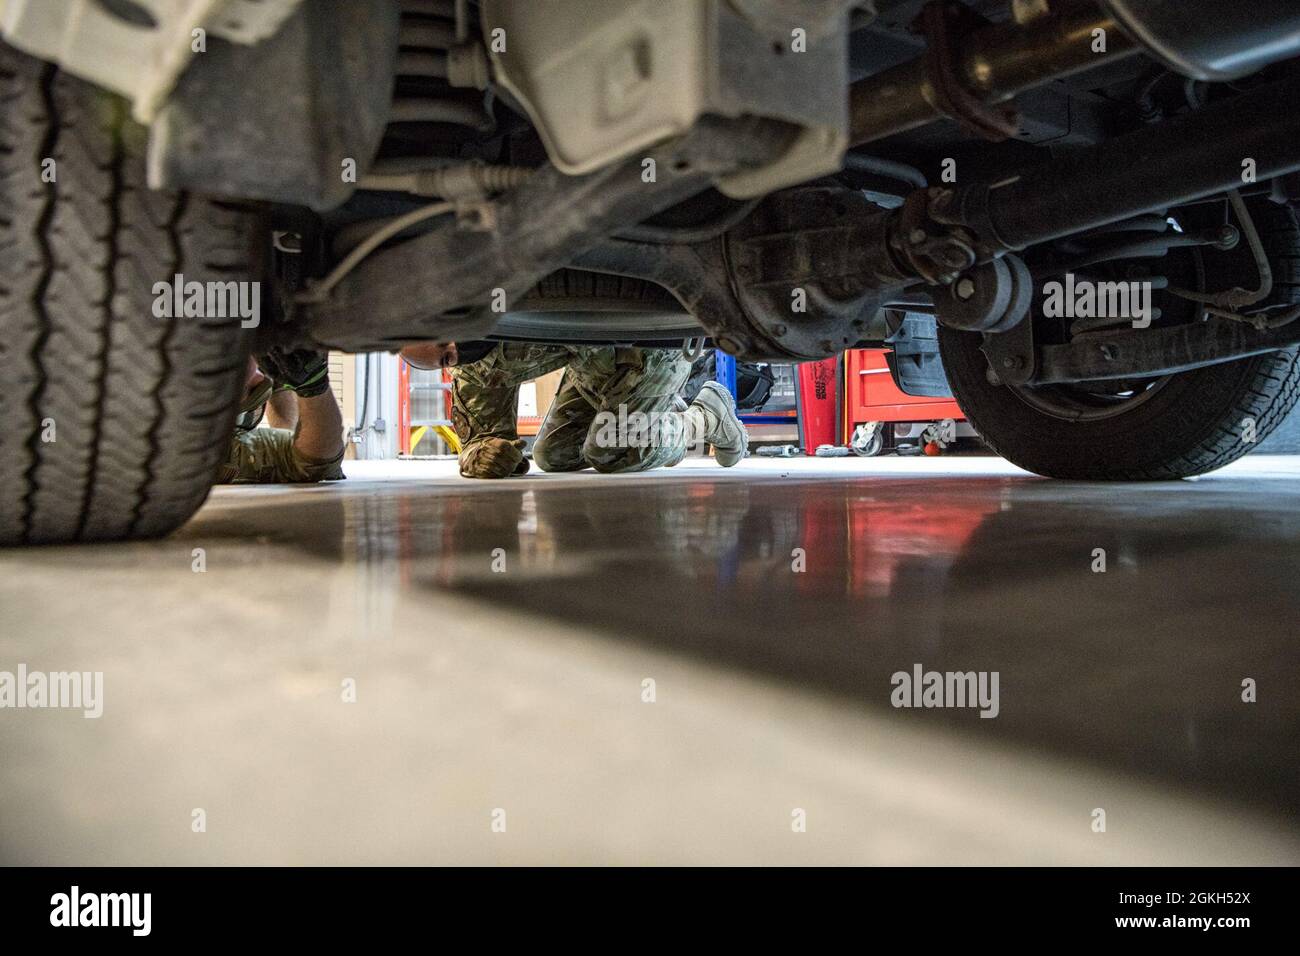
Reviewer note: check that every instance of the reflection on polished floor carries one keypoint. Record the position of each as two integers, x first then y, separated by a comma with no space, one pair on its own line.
501,639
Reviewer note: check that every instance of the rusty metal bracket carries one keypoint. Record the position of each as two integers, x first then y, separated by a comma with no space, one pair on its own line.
936,251
944,24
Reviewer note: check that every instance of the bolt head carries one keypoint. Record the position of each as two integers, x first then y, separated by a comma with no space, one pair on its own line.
917,237
965,289
1228,236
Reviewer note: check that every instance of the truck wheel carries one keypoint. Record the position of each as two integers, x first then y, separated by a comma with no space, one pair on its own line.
1176,426
114,421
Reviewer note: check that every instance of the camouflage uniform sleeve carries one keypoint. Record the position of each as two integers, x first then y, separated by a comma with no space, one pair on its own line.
268,456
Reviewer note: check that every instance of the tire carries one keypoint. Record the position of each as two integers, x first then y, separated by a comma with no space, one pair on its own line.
114,421
1195,422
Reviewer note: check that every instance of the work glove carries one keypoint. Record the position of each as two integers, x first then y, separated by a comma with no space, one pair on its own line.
302,371
493,458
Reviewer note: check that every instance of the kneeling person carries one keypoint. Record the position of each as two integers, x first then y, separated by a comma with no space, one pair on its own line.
601,388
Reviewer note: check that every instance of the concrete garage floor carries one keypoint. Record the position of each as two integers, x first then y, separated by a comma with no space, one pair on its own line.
522,690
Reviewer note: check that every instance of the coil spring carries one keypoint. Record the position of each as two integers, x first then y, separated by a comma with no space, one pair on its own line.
422,93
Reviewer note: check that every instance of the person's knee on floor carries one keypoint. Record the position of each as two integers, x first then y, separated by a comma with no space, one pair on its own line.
553,455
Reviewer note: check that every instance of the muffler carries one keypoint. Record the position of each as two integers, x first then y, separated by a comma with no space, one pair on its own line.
1209,39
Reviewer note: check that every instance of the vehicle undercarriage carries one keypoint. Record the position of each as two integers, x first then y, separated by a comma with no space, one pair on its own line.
784,179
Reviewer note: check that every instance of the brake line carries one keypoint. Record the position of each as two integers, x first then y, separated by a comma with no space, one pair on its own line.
1223,304
1237,298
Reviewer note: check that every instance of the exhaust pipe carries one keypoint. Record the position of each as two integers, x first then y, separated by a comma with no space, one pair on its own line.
968,71
991,64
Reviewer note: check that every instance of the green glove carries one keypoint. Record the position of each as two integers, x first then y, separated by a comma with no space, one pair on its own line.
302,371
493,458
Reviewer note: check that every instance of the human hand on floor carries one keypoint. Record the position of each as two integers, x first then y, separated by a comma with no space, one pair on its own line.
494,458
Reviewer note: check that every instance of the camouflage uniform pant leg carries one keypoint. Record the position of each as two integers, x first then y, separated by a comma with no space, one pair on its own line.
623,383
560,439
485,394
